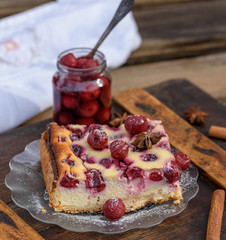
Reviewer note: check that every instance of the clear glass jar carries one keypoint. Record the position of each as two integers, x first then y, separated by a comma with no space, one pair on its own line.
82,94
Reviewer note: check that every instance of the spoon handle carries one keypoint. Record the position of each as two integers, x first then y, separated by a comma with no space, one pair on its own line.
124,7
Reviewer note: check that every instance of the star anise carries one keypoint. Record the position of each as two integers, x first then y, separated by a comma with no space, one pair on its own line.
118,120
146,140
195,115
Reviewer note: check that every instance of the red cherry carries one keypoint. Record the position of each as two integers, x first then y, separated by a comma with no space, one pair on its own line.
134,172
106,162
55,77
104,81
94,181
85,120
90,63
72,78
81,61
86,62
88,109
77,149
114,208
156,176
105,96
69,102
68,181
97,139
136,124
94,126
65,118
119,149
103,115
150,157
182,160
90,91
76,134
172,173
69,60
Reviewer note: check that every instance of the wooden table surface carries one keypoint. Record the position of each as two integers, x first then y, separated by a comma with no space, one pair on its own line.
180,39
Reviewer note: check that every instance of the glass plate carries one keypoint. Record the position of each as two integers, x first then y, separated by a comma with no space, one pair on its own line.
26,182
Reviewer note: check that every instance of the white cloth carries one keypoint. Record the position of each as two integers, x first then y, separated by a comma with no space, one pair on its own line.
31,41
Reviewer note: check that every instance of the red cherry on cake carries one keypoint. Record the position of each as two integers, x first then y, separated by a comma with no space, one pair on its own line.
97,139
182,160
90,91
134,172
69,181
172,172
77,149
94,181
150,157
114,208
156,176
106,162
136,124
94,126
119,149
88,109
76,134
69,60
69,102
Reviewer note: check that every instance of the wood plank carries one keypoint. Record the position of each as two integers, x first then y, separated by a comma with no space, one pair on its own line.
203,71
182,30
9,7
204,153
13,227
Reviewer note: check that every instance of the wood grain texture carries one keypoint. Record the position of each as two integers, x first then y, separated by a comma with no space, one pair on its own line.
204,153
13,227
206,72
179,31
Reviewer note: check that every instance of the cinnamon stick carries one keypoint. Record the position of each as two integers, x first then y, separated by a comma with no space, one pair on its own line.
217,132
215,215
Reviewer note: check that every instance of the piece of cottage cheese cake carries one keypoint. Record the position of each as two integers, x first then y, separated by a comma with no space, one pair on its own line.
84,166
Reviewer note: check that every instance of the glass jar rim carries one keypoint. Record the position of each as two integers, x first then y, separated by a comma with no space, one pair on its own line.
100,67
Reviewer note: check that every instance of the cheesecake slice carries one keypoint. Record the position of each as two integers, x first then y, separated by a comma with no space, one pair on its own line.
84,166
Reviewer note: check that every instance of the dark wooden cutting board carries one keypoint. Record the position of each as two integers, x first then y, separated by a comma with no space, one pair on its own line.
191,224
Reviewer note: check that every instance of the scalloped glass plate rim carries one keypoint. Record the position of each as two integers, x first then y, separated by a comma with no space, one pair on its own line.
33,213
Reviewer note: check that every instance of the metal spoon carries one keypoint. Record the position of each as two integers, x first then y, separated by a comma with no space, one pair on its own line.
124,7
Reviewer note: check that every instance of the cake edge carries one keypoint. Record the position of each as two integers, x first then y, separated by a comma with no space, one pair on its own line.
47,169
